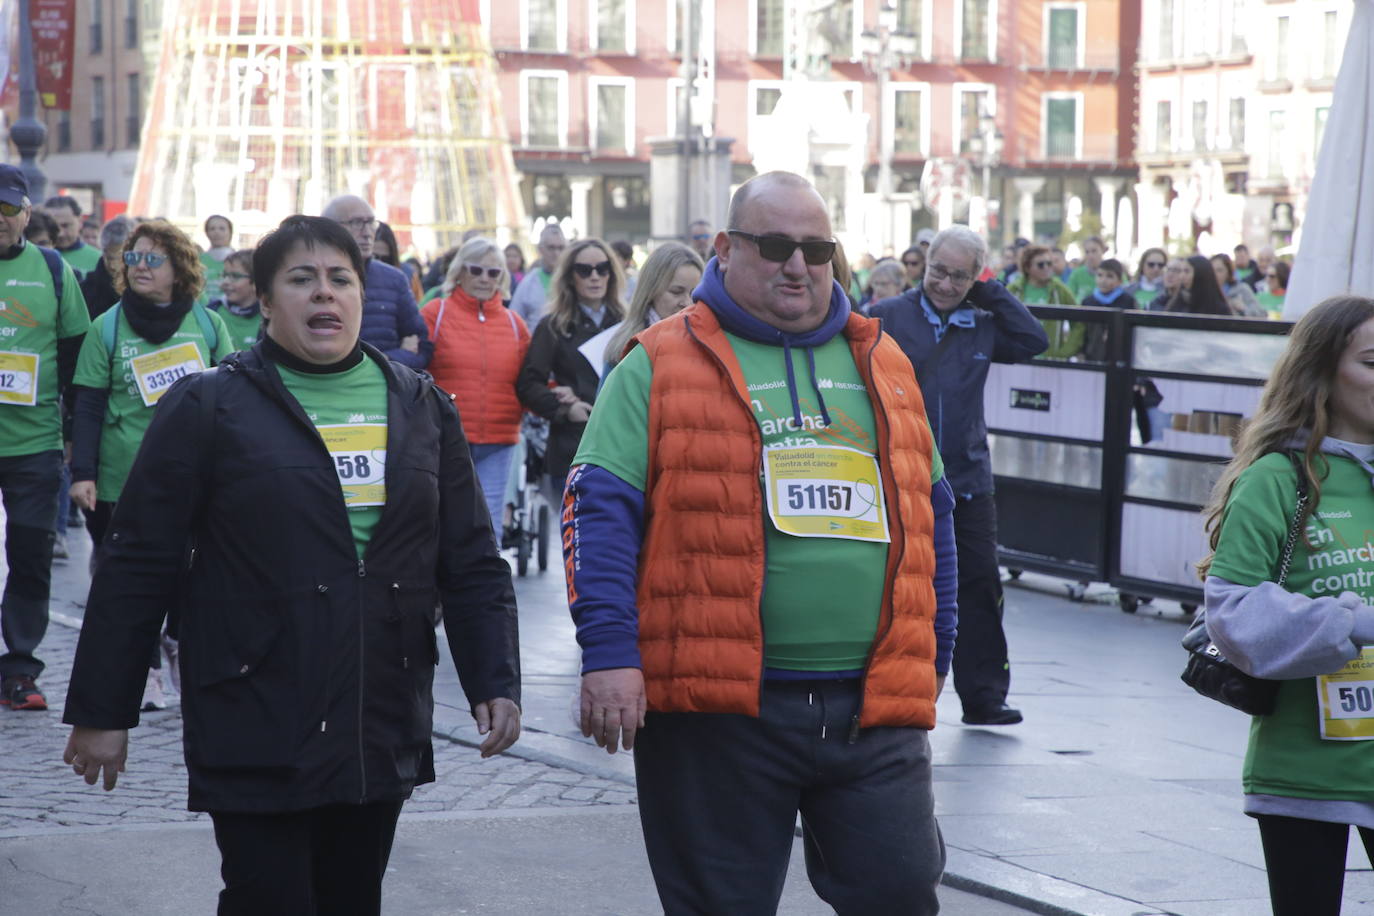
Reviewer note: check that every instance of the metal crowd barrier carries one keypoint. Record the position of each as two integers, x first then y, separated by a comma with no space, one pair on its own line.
1095,482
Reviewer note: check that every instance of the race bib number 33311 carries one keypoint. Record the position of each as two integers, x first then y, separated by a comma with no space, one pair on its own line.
155,372
825,492
359,453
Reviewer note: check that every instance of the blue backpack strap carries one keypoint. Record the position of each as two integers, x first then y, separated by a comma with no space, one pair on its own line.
109,327
55,265
207,329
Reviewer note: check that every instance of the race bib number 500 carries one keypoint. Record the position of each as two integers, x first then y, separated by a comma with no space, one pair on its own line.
359,453
825,492
155,372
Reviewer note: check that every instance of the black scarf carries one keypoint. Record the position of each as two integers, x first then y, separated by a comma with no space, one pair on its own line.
154,323
282,356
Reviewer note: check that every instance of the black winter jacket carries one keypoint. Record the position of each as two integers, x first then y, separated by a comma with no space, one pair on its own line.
555,356
1003,332
306,672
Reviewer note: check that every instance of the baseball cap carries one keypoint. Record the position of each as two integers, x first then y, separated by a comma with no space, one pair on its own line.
14,187
925,236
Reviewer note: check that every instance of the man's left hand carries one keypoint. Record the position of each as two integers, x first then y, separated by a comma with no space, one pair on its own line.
499,720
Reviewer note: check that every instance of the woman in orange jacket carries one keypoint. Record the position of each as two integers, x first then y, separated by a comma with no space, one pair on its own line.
479,346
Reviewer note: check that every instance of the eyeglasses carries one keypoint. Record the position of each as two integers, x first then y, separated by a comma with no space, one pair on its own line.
476,270
1174,269
779,248
10,209
1042,264
360,224
957,277
585,270
231,275
153,260
1154,263
701,236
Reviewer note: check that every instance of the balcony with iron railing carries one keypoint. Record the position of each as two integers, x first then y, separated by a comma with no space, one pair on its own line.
1065,149
1071,59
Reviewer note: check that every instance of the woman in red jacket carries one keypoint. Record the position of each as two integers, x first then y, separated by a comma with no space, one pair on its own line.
479,346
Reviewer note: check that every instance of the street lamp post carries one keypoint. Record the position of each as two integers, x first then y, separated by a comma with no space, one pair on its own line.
885,50
27,132
992,156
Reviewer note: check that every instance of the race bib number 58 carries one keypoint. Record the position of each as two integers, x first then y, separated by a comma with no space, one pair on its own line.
825,492
359,453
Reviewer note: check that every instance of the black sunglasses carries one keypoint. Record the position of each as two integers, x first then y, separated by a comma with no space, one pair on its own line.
779,248
585,270
1154,263
476,270
1039,264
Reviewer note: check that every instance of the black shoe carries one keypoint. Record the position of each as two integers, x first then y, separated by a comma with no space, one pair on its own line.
1001,714
20,692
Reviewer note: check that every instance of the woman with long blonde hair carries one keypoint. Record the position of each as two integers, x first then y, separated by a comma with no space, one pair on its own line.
665,288
584,300
1309,767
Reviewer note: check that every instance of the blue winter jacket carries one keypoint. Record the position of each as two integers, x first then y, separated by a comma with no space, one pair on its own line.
389,314
990,326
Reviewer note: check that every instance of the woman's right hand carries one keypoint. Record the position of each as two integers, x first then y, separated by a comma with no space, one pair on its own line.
579,412
564,394
83,494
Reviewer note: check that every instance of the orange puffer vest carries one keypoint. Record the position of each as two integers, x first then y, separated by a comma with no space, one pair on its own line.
478,350
702,567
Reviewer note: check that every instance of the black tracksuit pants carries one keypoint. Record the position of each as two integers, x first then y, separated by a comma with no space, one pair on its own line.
982,674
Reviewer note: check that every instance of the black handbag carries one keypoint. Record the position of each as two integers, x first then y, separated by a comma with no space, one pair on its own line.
1208,672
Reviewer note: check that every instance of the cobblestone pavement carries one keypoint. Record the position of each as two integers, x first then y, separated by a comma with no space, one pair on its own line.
39,791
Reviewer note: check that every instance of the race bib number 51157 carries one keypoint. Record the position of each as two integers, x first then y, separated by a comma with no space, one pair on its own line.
825,492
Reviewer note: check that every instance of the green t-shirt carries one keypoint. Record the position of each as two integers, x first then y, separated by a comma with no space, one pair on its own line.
31,323
83,258
1081,282
1143,297
1286,755
243,332
1270,302
822,596
214,269
136,378
349,410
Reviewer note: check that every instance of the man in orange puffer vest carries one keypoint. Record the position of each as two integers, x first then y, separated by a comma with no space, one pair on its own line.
760,560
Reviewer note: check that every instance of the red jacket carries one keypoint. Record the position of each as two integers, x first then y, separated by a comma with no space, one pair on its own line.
478,350
701,569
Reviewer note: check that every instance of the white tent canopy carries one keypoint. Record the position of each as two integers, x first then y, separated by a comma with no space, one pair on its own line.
1337,250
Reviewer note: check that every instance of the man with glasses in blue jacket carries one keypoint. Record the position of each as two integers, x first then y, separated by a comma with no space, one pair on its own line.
953,328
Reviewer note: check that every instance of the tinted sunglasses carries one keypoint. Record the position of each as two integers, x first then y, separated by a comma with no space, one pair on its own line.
476,270
153,260
1154,263
585,270
701,236
1042,264
780,248
10,209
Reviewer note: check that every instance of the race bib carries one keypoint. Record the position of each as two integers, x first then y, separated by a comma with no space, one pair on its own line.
359,453
18,378
825,492
155,372
1346,700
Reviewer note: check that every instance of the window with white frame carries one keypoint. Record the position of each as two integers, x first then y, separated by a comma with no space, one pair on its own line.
542,25
911,19
1063,41
612,26
677,25
1331,44
1236,122
675,89
1164,127
1281,48
1062,125
763,99
1278,130
842,18
976,29
543,108
612,114
1238,21
1167,9
907,113
770,27
973,102
1200,125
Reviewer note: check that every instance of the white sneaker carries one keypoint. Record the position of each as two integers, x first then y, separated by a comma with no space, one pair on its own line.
171,653
153,697
59,547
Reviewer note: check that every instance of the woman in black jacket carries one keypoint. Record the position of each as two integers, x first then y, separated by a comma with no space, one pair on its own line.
584,300
309,504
